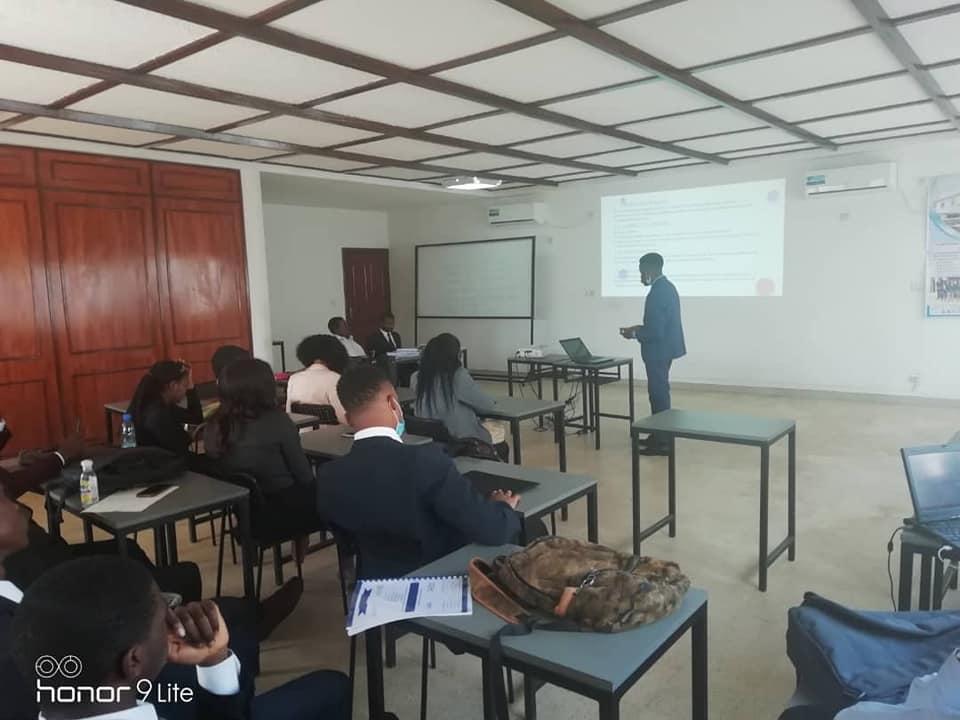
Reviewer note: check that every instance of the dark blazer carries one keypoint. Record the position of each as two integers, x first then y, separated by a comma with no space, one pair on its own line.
19,699
406,506
378,345
161,425
661,335
30,477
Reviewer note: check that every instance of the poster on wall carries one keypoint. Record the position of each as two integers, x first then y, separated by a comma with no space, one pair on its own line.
943,247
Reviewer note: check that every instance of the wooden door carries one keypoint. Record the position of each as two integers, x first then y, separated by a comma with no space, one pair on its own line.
102,275
29,395
203,279
366,289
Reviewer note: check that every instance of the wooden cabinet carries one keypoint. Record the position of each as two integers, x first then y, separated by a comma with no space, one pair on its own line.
108,265
29,395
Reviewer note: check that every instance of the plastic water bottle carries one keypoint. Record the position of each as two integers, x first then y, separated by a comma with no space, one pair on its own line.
128,436
89,490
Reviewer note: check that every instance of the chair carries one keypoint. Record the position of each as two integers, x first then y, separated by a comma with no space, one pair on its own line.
426,427
326,413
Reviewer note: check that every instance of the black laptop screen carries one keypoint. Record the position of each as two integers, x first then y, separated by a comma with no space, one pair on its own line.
935,483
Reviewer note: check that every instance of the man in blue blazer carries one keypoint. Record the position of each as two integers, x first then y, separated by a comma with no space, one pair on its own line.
660,338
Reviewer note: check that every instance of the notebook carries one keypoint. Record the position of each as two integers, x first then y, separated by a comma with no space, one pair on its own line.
486,483
379,602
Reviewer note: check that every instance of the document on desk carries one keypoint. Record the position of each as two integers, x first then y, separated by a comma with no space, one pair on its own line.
379,602
127,501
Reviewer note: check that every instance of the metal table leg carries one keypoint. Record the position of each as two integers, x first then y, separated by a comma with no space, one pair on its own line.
635,489
698,634
630,390
596,407
792,494
672,487
515,435
609,707
510,377
375,699
561,439
926,568
906,578
108,418
246,548
592,516
764,512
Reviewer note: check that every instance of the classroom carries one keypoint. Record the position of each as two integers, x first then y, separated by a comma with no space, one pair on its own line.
479,359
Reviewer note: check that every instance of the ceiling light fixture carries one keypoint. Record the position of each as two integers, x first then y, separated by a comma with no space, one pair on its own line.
470,182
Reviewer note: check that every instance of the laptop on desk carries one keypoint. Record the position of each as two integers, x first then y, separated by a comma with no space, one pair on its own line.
577,351
933,475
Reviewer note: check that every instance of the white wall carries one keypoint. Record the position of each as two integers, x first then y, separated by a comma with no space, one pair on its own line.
305,267
851,315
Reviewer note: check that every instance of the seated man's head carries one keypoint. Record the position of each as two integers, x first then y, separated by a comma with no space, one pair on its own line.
13,527
388,322
226,354
338,326
324,349
369,398
97,622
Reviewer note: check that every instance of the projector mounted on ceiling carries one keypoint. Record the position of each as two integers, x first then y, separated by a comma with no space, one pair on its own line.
470,182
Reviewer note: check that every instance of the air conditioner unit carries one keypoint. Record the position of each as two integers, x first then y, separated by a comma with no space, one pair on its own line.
851,179
517,213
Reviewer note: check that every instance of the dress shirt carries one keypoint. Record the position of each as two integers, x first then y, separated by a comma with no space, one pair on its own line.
11,592
372,432
388,336
316,385
354,349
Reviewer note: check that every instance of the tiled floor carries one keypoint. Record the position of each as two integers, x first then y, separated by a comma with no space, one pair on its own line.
851,495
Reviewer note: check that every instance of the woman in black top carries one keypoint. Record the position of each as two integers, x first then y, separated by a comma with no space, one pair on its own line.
158,417
250,434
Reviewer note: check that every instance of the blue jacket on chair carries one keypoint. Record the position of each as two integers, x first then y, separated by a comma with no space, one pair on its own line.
661,336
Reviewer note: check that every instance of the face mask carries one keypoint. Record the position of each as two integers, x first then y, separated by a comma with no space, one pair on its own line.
401,423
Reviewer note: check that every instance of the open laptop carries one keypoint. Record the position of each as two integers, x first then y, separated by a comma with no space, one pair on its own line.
577,351
933,474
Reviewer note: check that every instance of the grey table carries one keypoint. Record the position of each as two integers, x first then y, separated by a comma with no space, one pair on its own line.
592,377
329,442
514,410
722,428
554,490
600,666
195,494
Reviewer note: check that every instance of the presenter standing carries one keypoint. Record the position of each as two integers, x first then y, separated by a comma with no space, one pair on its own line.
660,338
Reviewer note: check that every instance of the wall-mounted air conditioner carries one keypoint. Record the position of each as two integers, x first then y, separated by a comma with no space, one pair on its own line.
850,179
517,213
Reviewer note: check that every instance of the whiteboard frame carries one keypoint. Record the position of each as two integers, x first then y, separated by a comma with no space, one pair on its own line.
416,286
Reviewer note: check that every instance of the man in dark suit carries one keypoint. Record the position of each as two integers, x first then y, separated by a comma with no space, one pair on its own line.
385,339
660,337
404,505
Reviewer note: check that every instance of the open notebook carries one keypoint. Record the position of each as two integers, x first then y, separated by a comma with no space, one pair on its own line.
378,602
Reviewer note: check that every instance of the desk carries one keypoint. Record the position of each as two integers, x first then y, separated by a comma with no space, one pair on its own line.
195,494
723,428
328,442
555,489
601,666
916,542
592,376
514,410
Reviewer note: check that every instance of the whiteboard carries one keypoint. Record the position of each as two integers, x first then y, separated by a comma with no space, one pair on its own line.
493,279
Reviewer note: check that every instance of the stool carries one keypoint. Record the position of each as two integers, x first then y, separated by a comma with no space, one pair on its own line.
936,575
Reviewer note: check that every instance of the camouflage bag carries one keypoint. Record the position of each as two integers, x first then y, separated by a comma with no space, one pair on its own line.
588,586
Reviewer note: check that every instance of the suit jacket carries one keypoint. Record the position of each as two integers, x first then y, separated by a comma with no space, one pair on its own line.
661,335
406,506
19,701
378,345
30,477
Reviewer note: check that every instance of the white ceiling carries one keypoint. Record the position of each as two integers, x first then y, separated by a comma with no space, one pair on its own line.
552,95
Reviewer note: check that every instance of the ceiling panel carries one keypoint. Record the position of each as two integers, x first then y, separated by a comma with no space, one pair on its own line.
896,8
846,99
320,163
831,62
301,131
631,157
6,116
589,9
785,148
37,85
86,131
238,7
209,147
402,148
544,71
413,33
537,171
949,78
700,31
98,30
878,120
934,40
405,105
883,134
136,102
578,144
693,125
397,173
647,99
253,68
751,138
503,129
478,161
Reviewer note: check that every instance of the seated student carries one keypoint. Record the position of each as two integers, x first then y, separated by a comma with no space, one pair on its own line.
158,417
250,434
109,615
226,354
446,392
324,359
385,339
404,505
338,326
43,466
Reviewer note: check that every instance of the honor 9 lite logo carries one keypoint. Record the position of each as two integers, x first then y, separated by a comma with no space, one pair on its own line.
52,690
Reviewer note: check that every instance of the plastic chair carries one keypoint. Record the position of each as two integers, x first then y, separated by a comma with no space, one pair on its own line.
326,413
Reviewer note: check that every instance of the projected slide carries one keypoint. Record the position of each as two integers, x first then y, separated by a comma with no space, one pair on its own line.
720,241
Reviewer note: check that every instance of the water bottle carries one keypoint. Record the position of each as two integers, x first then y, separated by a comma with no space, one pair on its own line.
128,436
89,490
